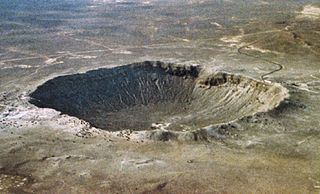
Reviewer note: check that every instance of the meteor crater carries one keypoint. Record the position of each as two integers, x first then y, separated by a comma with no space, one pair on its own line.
142,95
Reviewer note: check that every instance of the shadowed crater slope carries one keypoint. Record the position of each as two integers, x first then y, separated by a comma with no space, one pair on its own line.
145,95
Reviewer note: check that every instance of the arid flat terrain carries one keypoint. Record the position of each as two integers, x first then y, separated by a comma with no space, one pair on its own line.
238,104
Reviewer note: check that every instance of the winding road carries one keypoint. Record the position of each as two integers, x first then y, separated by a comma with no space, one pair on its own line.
263,77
